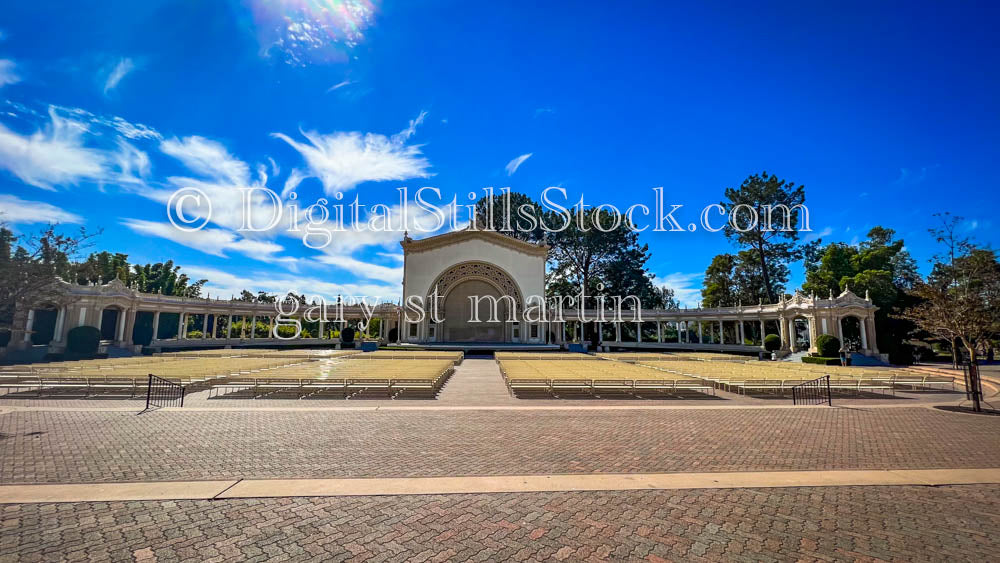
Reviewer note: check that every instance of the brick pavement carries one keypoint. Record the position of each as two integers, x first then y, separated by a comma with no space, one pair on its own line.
190,445
955,523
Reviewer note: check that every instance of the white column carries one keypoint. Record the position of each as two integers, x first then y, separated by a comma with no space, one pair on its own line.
864,334
120,329
253,327
762,331
204,325
783,331
701,336
618,332
742,336
29,325
722,333
60,324
638,332
180,326
677,325
659,331
156,325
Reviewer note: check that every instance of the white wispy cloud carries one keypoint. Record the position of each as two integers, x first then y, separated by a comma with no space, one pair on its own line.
225,283
513,165
124,66
19,211
210,241
133,131
54,155
208,158
72,147
7,73
339,85
912,177
363,269
687,287
816,235
342,160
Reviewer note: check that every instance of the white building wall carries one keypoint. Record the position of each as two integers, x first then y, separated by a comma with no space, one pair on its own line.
422,268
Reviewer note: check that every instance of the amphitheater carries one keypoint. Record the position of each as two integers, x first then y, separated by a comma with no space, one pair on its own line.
216,375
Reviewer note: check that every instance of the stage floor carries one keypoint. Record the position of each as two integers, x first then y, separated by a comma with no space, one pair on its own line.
480,346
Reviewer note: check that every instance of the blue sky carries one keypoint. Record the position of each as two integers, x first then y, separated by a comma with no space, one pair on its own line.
886,113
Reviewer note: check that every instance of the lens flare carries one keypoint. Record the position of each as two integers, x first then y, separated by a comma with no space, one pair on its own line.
311,31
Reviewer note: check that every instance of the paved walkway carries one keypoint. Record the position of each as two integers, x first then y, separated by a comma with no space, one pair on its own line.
68,447
477,381
278,488
903,523
365,479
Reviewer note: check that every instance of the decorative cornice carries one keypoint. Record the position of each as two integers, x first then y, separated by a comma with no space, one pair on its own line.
438,241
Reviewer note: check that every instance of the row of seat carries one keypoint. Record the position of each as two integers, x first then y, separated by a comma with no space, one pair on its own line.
766,376
591,375
347,378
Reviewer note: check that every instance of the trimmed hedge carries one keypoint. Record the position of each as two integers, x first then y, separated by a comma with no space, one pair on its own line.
828,345
347,335
824,361
772,342
83,340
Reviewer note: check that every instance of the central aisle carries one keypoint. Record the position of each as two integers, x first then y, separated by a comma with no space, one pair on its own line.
476,381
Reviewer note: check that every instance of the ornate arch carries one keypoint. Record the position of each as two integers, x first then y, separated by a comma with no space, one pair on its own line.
476,270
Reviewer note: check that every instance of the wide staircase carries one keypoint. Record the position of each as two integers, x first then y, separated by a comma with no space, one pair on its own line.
475,381
795,356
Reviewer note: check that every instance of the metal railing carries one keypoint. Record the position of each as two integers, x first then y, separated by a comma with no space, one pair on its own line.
815,392
163,393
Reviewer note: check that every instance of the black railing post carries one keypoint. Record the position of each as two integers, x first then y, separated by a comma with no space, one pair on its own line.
811,392
164,393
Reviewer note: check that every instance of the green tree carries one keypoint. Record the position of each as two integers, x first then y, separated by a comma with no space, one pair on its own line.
777,207
879,267
505,217
960,302
30,264
584,256
732,279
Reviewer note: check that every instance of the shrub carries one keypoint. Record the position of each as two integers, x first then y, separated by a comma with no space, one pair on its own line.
83,340
287,331
772,342
347,335
823,361
193,334
828,345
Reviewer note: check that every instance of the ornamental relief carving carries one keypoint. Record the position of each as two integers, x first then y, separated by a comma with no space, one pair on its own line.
477,270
